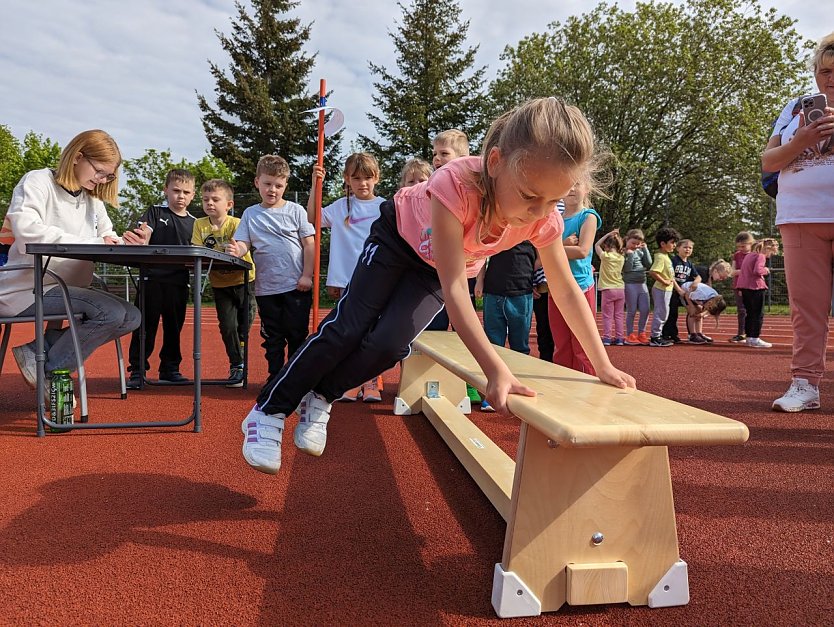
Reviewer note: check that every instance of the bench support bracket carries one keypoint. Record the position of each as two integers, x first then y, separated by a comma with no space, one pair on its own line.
673,588
418,371
511,598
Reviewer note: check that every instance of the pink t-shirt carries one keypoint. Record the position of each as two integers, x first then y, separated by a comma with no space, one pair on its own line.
452,185
753,272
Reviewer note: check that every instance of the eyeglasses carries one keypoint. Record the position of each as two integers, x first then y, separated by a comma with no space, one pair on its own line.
102,175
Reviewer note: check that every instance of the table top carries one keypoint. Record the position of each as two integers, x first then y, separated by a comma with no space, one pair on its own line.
128,255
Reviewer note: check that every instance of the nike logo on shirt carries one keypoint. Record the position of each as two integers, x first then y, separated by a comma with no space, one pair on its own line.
352,220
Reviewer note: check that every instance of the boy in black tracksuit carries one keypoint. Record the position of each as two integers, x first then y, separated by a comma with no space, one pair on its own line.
165,288
684,272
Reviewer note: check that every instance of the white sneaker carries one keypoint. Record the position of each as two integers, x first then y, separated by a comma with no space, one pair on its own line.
757,342
24,355
262,440
310,434
801,395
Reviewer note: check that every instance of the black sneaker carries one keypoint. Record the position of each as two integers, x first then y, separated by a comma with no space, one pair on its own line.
706,337
694,338
737,339
134,382
235,379
659,341
173,377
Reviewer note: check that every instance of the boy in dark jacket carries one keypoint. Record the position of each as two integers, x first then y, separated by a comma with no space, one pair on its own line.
685,272
165,287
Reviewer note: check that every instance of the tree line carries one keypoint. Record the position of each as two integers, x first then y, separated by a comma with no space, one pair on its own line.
682,96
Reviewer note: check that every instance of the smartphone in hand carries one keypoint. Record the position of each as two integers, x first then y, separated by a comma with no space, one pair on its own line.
813,107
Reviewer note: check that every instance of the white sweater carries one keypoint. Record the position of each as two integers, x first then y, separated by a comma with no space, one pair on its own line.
43,212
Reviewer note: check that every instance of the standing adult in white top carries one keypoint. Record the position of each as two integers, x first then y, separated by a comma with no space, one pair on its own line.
803,154
66,206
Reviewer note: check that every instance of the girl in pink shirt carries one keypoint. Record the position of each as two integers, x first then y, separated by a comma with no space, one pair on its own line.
753,288
421,250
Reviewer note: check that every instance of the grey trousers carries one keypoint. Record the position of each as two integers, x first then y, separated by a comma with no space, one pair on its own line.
661,300
105,318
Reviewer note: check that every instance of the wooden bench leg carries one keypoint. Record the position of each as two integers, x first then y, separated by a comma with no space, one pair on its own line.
420,377
589,525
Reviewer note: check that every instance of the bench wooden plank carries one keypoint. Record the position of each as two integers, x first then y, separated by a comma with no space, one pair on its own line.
576,410
490,467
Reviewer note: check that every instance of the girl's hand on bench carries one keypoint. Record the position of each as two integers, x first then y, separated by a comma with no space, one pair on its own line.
617,378
500,386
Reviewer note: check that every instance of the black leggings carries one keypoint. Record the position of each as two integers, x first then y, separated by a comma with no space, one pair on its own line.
754,304
392,296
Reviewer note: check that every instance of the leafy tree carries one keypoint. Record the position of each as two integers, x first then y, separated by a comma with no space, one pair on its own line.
145,180
16,159
683,95
11,167
429,92
39,152
261,99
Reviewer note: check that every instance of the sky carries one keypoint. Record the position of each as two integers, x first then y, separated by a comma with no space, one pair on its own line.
134,68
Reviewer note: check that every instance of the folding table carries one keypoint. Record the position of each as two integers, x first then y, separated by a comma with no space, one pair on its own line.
134,256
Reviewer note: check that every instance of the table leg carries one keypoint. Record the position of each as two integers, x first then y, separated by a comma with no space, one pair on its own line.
198,273
246,306
40,357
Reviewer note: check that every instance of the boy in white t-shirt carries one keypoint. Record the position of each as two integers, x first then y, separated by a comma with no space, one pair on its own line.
283,249
350,219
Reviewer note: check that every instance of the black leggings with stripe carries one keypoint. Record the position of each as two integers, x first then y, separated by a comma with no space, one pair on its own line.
392,296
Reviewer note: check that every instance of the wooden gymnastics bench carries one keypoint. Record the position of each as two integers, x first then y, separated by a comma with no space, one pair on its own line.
588,502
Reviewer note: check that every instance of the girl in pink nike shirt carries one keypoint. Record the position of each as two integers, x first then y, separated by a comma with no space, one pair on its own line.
421,250
349,220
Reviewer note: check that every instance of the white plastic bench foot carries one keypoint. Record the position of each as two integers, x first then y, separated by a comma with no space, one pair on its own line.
511,598
401,408
673,587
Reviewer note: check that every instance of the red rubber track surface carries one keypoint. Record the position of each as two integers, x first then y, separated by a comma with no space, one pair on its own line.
172,527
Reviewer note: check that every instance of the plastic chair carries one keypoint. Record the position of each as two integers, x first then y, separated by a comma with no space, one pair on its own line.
70,317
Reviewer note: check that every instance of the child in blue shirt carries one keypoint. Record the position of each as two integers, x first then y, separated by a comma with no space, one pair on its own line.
581,226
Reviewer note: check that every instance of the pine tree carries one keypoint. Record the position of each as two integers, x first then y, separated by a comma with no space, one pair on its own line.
261,98
430,92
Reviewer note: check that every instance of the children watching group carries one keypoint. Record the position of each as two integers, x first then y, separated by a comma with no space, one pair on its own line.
389,259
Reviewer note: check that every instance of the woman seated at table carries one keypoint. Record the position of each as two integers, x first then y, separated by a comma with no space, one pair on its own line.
66,206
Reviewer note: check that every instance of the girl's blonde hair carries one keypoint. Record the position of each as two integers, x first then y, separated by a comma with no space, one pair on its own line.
415,166
541,130
719,265
766,244
98,146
